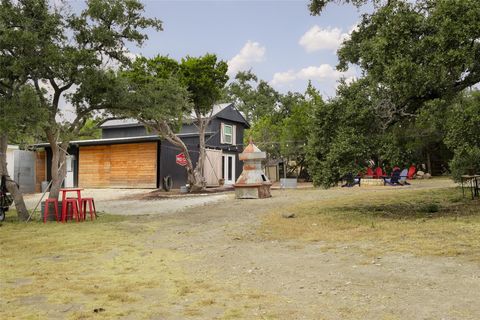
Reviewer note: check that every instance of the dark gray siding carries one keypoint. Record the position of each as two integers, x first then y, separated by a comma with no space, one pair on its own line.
214,141
168,166
124,132
188,128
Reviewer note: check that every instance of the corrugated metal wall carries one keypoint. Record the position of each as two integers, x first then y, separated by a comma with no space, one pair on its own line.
24,170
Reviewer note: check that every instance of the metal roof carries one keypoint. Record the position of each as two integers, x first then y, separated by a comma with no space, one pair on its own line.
123,123
93,142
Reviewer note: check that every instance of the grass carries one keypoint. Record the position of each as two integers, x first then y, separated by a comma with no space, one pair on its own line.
73,269
107,269
436,222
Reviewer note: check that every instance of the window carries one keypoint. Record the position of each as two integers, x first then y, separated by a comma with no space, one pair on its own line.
227,133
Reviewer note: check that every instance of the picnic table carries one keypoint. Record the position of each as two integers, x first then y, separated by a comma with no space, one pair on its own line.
473,183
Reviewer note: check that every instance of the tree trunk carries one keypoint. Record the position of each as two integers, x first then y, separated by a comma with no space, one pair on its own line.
12,187
429,163
165,131
58,167
199,168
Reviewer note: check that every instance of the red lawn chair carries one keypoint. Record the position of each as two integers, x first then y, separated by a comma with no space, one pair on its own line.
411,172
370,172
378,173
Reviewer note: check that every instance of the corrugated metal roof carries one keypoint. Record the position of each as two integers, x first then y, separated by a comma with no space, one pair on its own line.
121,123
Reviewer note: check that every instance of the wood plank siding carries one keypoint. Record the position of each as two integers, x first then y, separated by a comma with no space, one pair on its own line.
213,167
40,169
118,166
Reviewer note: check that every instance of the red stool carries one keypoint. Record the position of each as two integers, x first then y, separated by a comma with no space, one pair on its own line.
47,209
71,206
91,204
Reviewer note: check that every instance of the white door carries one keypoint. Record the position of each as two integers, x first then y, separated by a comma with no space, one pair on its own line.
229,168
69,178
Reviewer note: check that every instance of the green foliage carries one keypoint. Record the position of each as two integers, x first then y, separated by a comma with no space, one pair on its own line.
153,93
265,133
66,52
282,132
21,115
297,113
417,52
255,98
161,100
343,135
465,161
317,6
463,134
90,130
204,78
416,58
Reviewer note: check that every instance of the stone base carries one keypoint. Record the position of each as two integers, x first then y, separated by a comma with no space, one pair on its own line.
258,192
371,182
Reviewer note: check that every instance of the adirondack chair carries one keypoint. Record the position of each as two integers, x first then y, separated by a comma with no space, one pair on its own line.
370,172
350,180
393,180
411,172
378,173
403,177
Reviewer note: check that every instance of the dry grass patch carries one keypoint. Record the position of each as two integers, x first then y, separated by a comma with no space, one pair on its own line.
111,268
71,270
421,222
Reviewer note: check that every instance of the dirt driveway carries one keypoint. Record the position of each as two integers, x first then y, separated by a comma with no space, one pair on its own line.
310,280
126,201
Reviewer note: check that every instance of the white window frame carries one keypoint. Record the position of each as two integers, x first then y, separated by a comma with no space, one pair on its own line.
224,136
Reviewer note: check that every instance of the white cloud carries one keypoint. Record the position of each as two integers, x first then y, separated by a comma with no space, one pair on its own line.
316,39
282,78
322,73
252,52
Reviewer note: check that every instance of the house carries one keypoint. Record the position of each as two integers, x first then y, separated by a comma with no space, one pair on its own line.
129,156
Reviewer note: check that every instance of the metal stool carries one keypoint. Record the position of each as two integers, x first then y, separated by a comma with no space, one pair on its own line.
91,204
47,209
73,205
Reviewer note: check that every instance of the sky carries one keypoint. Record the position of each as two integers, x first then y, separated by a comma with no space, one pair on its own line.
278,40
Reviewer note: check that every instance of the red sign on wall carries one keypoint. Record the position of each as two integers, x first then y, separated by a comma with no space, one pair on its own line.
181,160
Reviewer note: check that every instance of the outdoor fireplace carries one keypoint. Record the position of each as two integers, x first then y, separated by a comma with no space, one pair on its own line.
252,183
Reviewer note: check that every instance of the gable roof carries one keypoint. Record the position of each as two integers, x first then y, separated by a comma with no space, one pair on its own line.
229,112
225,111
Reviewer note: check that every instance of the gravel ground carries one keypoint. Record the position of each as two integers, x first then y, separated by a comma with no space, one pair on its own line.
125,201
